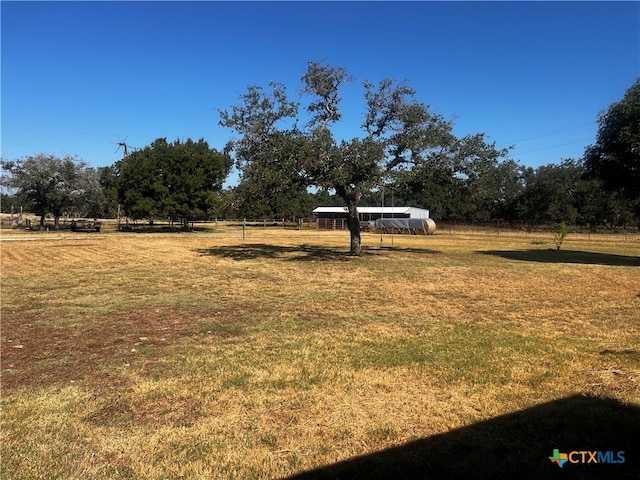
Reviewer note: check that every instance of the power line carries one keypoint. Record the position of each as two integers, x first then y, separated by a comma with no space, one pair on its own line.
555,146
553,133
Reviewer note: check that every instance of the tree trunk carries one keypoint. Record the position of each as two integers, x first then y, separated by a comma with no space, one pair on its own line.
353,221
352,198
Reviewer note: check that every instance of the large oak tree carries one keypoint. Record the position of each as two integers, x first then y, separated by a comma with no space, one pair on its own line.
281,144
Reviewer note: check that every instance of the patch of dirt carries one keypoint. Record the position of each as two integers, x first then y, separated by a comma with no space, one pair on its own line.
612,379
36,353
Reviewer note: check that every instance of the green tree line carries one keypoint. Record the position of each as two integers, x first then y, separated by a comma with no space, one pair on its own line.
290,162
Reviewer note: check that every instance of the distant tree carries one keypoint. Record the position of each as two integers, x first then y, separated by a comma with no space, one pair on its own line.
6,202
292,203
90,199
323,197
52,184
615,157
436,185
510,185
491,185
555,193
108,180
176,180
597,206
228,204
462,180
266,191
550,194
12,203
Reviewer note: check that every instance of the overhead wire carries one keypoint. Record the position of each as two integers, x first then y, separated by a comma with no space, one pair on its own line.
557,145
553,132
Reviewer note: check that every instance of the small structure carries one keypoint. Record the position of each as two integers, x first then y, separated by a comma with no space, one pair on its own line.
85,226
335,218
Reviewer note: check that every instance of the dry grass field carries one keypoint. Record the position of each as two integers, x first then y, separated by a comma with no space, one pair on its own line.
202,355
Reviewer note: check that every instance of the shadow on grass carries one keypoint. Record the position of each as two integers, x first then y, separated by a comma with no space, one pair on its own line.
160,229
517,445
566,256
294,253
262,250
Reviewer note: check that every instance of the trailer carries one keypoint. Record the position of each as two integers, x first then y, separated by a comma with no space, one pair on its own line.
413,226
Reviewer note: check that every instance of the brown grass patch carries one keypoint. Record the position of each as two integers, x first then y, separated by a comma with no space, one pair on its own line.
203,356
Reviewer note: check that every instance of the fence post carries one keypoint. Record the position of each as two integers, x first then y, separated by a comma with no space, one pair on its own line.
244,227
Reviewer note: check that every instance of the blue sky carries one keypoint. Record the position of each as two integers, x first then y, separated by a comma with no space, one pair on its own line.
77,77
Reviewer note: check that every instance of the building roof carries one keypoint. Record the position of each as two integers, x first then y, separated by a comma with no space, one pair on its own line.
414,212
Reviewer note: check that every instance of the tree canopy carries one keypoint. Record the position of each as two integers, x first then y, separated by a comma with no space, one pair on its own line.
398,132
172,180
615,157
52,185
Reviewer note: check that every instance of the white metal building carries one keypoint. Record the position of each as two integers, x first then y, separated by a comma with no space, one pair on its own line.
335,218
373,213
